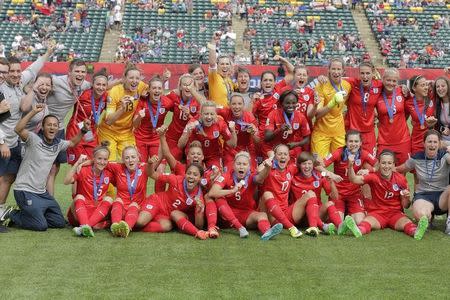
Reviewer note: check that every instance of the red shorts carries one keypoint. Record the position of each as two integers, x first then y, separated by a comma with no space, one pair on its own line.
74,153
350,204
369,142
242,214
387,218
153,206
147,150
173,146
288,213
401,151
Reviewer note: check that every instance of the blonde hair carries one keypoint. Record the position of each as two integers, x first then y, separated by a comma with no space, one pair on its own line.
242,154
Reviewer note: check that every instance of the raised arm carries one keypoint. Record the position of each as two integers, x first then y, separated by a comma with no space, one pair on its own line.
184,138
113,115
263,171
20,127
69,179
217,191
151,167
166,153
76,139
356,179
212,57
232,142
289,67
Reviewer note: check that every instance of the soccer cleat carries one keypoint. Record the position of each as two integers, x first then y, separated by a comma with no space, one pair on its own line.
5,217
312,231
329,229
243,233
115,229
272,231
87,231
77,231
295,233
213,232
342,229
422,228
202,235
124,229
351,224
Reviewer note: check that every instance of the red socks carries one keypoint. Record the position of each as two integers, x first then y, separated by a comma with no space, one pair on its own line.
410,229
116,212
131,216
334,216
312,213
273,208
263,226
81,212
365,227
99,214
211,213
226,213
186,226
153,227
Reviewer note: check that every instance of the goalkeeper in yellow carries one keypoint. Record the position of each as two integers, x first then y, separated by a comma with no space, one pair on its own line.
329,129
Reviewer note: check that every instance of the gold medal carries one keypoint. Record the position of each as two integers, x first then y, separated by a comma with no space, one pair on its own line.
422,126
391,121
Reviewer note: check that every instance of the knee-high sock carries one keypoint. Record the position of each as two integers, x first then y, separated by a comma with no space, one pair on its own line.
81,212
274,209
334,215
99,213
410,229
312,212
186,226
365,227
152,227
131,216
226,213
263,226
116,212
211,213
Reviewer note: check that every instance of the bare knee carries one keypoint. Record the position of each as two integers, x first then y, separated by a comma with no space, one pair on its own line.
166,225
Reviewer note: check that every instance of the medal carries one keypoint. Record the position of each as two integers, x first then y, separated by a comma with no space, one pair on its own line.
420,114
154,118
243,182
96,112
391,121
390,107
97,188
288,121
188,197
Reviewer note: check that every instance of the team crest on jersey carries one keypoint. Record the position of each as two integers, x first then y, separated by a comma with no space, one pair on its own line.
189,201
149,206
71,157
306,97
288,176
358,162
193,109
302,90
162,110
106,180
430,104
215,134
316,184
399,98
395,187
295,126
375,90
220,179
204,182
139,172
276,96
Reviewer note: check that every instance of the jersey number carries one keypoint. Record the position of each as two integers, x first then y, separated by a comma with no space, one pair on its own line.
176,203
388,195
285,134
237,195
284,186
183,116
206,143
130,106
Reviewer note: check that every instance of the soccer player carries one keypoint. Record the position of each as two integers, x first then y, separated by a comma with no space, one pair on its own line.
90,105
208,130
329,129
219,81
361,104
245,127
393,131
122,102
183,199
390,196
149,115
307,186
350,197
91,205
275,193
421,108
130,178
38,209
186,105
288,126
233,193
441,92
432,195
197,72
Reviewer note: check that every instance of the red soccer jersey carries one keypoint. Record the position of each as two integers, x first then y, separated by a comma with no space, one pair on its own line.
176,198
209,137
305,96
262,109
386,193
396,132
85,184
206,183
361,104
299,125
279,183
345,187
120,178
146,133
83,110
414,111
242,199
180,119
244,139
301,185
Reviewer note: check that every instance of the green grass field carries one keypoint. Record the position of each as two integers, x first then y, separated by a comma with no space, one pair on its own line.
55,264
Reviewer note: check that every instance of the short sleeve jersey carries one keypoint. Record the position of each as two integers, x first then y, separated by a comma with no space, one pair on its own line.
386,192
180,119
279,183
85,184
298,123
209,137
243,198
124,188
219,88
315,183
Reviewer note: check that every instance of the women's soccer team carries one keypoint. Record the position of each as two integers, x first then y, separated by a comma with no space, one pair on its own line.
288,155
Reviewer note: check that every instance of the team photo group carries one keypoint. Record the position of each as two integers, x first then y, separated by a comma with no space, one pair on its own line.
325,158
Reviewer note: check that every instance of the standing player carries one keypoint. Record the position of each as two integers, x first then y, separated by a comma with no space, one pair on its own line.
234,192
183,199
286,125
390,197
208,130
149,115
219,81
90,206
421,108
242,86
197,72
122,102
329,129
350,198
90,105
432,166
441,92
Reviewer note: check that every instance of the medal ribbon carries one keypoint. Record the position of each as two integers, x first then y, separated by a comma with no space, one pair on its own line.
390,108
132,184
94,183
